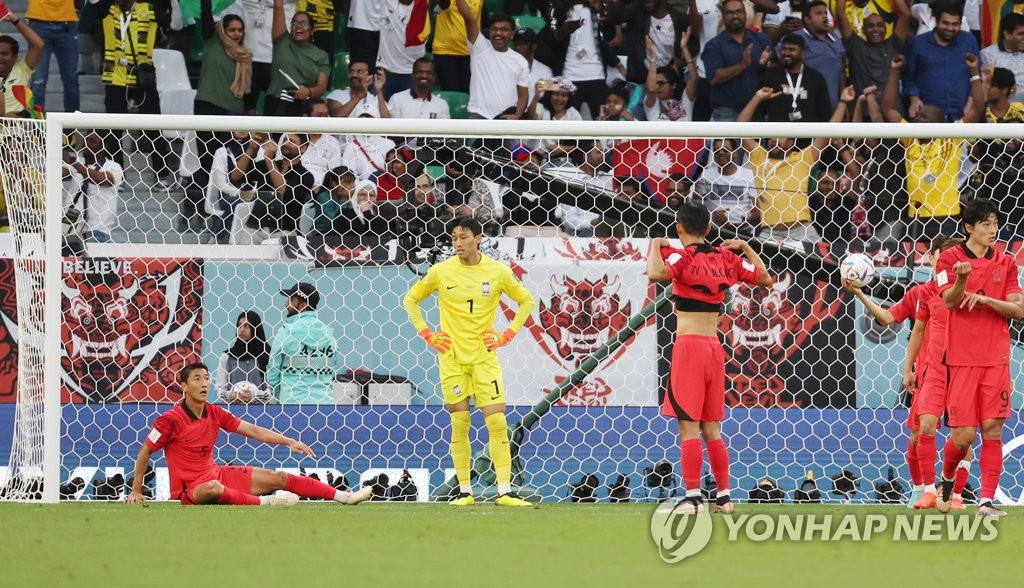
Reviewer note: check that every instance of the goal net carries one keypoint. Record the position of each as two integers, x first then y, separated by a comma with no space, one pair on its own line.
168,240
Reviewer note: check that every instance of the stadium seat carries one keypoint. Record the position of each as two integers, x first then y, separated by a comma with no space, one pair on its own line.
531,22
171,72
458,103
339,75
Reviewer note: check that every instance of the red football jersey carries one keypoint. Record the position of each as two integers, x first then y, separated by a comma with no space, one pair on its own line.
701,273
909,306
934,312
188,440
979,337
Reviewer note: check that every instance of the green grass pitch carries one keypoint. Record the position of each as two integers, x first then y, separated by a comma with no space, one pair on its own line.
321,544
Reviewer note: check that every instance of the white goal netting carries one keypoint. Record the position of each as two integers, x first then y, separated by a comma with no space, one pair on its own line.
161,271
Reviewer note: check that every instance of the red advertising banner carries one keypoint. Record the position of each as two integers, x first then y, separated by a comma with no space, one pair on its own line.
129,326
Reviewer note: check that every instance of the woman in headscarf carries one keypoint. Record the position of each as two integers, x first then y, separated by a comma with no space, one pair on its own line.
242,368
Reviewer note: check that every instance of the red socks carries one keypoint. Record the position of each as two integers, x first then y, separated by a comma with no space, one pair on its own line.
718,455
309,488
960,480
991,464
924,459
234,497
951,457
692,460
912,463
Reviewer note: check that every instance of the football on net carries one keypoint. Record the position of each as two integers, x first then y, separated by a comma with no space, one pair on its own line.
858,269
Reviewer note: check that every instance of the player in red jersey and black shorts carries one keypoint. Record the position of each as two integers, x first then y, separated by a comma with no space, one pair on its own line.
701,274
187,434
922,302
981,288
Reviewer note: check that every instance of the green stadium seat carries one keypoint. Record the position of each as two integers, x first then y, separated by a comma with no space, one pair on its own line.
339,74
458,103
531,22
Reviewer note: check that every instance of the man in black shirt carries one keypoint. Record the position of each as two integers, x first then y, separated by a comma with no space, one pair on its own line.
805,96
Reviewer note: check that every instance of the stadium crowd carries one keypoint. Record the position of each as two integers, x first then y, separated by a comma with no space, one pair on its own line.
673,60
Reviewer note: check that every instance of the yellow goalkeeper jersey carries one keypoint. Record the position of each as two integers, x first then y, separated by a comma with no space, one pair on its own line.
468,296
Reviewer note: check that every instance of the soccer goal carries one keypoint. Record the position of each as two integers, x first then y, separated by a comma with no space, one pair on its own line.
138,244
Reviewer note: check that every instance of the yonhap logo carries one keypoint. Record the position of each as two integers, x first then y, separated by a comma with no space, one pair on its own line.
679,535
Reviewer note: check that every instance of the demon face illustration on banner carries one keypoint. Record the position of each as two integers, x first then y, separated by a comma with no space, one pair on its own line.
776,339
579,309
8,331
129,326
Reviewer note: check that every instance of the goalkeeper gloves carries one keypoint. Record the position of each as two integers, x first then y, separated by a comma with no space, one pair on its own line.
493,340
440,341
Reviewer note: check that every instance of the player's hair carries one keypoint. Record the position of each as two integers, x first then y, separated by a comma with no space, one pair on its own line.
186,371
695,218
466,222
950,243
978,210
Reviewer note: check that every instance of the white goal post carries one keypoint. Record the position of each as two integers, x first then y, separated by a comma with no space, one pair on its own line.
875,422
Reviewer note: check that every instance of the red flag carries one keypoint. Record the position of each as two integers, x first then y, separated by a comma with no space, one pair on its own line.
418,29
652,160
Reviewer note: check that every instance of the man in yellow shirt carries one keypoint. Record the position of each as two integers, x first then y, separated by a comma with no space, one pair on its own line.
451,50
56,23
15,73
781,174
469,288
933,165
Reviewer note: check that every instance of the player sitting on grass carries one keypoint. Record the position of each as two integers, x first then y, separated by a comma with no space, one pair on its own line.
700,273
187,434
923,378
469,287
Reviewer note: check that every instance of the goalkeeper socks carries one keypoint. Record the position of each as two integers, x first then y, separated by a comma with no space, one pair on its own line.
926,454
309,488
461,453
501,453
991,464
693,459
951,457
234,497
963,471
718,455
912,462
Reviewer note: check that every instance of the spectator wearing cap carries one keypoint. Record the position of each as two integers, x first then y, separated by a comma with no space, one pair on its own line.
525,44
498,87
303,353
804,94
576,49
1009,51
451,51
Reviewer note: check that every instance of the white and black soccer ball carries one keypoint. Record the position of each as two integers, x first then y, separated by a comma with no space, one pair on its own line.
858,269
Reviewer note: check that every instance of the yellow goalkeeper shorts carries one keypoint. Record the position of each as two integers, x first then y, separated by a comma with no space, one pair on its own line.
480,381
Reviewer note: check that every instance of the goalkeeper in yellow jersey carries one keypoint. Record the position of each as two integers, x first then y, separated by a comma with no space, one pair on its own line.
469,288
